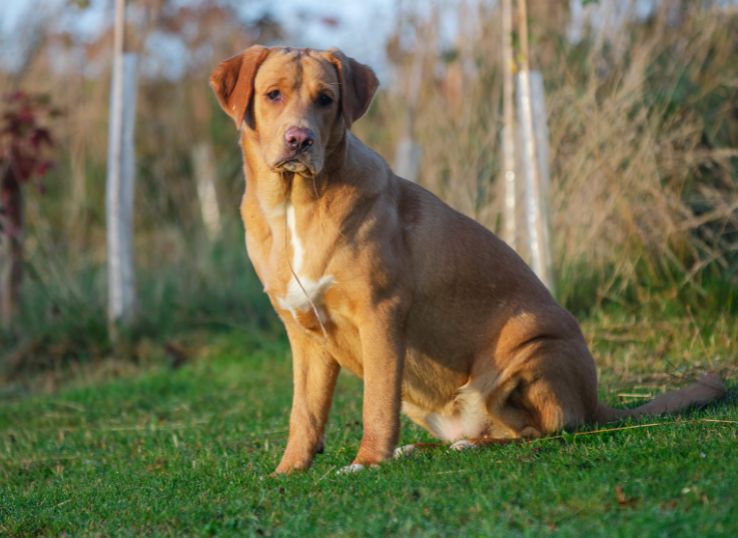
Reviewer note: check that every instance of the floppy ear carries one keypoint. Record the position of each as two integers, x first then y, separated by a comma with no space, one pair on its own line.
358,84
233,81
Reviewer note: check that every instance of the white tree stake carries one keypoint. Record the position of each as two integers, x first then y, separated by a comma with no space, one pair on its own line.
508,133
535,221
120,179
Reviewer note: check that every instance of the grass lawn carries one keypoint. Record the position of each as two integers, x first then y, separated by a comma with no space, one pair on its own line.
189,451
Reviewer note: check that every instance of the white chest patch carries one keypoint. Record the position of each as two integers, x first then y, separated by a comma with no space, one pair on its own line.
302,292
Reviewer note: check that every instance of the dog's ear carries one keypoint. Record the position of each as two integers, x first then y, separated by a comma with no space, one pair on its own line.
233,81
358,84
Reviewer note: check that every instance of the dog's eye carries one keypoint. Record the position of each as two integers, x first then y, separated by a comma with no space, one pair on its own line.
274,95
324,99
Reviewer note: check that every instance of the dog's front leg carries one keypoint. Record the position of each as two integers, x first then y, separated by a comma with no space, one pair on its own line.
314,374
383,352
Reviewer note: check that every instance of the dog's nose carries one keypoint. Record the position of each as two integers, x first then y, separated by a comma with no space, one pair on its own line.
299,138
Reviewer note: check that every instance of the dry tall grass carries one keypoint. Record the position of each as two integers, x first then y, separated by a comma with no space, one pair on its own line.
644,138
644,143
637,177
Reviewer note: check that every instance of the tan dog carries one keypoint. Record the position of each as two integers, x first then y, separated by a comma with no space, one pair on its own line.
372,273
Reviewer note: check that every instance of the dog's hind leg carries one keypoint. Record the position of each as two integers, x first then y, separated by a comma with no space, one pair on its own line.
552,387
406,450
527,434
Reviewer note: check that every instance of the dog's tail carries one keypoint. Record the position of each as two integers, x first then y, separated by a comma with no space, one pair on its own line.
706,389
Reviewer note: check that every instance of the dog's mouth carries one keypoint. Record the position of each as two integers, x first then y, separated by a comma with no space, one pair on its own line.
296,166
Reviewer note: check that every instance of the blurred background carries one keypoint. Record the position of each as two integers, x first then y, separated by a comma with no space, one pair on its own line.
642,118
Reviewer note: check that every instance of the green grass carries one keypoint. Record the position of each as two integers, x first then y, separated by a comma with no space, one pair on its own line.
189,452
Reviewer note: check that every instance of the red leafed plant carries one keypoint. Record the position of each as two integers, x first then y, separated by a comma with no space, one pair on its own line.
25,144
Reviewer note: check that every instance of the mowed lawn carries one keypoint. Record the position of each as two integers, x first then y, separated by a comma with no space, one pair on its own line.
189,452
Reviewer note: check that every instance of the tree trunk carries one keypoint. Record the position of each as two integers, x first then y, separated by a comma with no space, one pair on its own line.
120,182
407,152
540,128
203,164
11,246
508,132
536,223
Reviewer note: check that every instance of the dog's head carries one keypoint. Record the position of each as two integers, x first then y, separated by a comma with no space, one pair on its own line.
294,104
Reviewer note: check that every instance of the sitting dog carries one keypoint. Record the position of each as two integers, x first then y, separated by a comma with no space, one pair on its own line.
370,272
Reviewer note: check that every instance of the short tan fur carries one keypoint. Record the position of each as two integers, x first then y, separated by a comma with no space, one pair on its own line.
372,273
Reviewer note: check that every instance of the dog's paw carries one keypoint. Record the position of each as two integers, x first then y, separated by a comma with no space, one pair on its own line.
404,450
353,468
462,444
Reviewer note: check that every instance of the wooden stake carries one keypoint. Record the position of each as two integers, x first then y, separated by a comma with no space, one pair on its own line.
535,221
508,133
120,180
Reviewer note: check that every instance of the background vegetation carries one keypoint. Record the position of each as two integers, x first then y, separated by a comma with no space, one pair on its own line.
643,129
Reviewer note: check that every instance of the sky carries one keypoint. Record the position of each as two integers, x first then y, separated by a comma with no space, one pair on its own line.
363,28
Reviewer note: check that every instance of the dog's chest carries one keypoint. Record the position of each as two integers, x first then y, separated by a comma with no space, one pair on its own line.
294,279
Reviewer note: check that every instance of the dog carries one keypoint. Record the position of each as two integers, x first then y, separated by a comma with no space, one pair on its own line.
370,272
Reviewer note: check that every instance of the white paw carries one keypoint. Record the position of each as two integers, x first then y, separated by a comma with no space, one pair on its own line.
401,451
349,469
462,444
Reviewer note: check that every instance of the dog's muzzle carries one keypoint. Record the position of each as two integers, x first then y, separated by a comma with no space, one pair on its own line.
296,166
